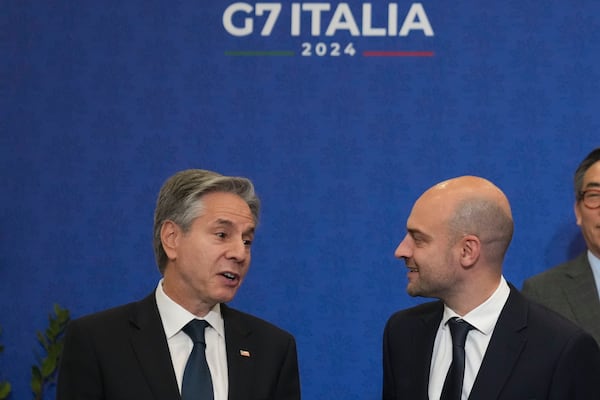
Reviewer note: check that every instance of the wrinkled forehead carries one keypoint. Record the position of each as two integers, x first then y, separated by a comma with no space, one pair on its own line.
226,206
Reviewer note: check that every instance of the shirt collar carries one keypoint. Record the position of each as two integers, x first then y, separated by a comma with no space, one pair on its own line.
483,317
595,265
174,317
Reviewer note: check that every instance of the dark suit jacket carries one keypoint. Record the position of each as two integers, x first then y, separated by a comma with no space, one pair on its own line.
570,290
534,353
122,354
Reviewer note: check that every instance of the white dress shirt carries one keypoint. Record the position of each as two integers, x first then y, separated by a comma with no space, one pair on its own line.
484,319
174,318
595,264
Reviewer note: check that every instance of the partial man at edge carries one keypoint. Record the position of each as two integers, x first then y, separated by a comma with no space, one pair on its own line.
573,288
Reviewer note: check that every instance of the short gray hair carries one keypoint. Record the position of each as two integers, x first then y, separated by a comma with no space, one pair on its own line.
180,201
486,220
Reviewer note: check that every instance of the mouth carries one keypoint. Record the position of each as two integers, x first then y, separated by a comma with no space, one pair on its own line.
230,276
412,269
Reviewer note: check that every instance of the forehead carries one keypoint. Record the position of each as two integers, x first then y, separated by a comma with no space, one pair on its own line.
592,175
429,215
230,206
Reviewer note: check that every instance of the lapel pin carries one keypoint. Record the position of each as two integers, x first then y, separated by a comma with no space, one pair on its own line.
244,353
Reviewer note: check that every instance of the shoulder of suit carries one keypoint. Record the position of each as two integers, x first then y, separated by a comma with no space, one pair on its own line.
559,270
253,321
551,322
109,315
429,308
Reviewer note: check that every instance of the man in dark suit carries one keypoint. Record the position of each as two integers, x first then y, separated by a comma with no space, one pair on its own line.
457,235
204,225
573,288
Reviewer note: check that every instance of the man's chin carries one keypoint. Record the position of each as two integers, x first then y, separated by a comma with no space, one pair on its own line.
414,291
226,295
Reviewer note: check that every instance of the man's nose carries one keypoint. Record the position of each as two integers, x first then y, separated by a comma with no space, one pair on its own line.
237,250
404,249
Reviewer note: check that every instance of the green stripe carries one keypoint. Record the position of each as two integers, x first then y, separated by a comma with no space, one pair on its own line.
259,53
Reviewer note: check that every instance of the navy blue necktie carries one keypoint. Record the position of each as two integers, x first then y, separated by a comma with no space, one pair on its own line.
454,380
197,384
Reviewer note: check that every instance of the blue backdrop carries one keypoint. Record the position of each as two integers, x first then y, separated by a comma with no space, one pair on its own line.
341,113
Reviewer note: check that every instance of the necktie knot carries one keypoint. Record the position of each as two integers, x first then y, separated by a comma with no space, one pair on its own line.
195,330
459,328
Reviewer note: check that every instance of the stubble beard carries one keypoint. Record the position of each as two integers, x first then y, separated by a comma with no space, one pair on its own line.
414,289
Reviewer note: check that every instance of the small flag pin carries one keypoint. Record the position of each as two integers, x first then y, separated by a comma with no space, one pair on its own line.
244,353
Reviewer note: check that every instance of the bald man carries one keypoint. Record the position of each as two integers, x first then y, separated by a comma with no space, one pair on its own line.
457,235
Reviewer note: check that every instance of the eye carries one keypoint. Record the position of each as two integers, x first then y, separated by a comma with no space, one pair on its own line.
247,243
419,240
222,235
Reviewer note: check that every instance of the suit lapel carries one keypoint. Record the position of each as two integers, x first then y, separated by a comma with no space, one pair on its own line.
582,295
152,351
240,362
506,344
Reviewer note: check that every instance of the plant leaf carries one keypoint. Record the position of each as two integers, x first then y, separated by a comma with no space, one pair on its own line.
36,380
42,340
4,390
52,342
48,367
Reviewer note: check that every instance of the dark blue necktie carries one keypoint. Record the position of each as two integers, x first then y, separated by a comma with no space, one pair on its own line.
197,384
454,380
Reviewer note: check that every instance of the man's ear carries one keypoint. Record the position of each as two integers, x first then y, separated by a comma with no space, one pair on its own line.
470,250
577,213
169,237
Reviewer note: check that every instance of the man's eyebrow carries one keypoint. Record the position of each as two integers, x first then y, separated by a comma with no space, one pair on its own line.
225,222
593,185
416,232
229,224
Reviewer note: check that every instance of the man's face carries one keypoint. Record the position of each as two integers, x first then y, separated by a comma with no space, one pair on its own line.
427,251
589,219
209,262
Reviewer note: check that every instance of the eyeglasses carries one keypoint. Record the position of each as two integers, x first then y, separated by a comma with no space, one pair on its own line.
591,198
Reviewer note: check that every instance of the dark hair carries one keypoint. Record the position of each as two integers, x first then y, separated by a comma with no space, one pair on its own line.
180,201
587,162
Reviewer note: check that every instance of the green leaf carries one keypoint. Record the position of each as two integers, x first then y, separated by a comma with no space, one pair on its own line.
48,367
4,390
52,342
42,340
54,351
36,380
63,316
53,323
